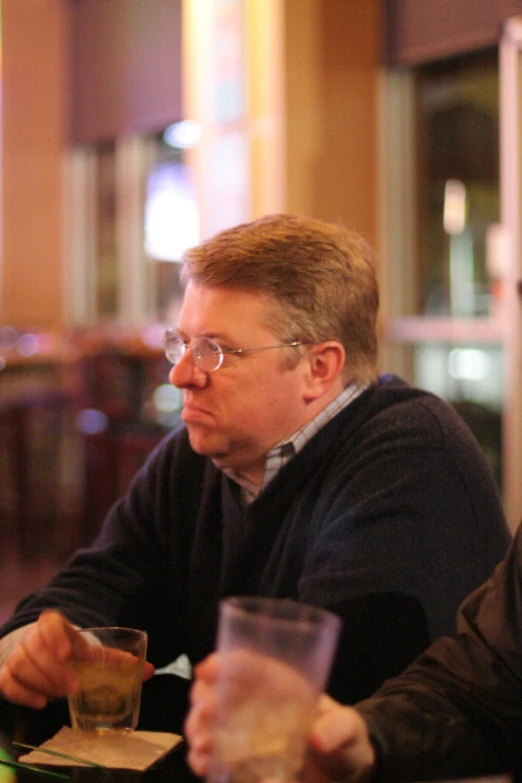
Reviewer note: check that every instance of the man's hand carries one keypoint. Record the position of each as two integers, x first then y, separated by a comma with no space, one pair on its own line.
200,719
36,670
338,744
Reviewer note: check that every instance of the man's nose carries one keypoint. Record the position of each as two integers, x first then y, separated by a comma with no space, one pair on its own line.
186,372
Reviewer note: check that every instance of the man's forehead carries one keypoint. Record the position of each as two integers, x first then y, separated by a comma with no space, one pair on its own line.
196,292
217,310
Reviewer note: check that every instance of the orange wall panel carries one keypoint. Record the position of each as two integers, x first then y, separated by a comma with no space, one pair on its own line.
34,131
333,55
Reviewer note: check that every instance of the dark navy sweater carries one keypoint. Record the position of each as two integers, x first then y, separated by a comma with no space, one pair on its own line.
389,515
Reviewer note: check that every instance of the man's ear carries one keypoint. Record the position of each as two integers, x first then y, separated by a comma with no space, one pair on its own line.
325,365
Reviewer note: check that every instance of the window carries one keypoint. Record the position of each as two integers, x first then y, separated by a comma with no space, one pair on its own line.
444,272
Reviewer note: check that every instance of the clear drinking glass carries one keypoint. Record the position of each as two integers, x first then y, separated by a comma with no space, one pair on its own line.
108,663
275,658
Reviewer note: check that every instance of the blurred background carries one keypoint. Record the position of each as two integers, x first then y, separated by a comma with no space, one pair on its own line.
132,129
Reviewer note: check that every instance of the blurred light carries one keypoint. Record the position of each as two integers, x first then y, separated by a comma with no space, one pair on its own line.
167,398
44,342
91,421
171,215
498,251
27,345
152,335
468,364
183,135
3,363
454,207
8,337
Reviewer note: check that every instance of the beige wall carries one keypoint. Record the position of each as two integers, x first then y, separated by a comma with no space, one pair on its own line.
34,112
332,61
265,24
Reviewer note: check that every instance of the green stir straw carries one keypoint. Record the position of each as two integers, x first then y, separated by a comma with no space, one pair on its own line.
56,753
30,768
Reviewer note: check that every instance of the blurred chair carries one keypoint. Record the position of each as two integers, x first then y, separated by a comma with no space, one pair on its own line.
116,422
36,512
111,458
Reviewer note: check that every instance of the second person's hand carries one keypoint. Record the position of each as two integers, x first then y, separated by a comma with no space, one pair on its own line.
339,748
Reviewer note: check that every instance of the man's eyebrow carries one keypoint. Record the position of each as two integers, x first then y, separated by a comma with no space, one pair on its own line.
218,336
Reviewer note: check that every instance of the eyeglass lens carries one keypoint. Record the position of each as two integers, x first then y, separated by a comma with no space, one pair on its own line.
174,347
207,354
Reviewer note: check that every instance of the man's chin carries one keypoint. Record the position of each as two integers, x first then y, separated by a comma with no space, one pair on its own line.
206,448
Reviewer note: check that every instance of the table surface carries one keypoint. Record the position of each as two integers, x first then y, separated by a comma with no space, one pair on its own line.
164,701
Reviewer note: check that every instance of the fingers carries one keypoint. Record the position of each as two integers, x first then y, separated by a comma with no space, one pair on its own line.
207,670
249,677
198,731
148,671
199,722
340,743
36,670
334,726
333,733
13,688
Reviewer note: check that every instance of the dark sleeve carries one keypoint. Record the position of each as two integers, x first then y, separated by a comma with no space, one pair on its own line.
133,573
381,634
457,711
111,582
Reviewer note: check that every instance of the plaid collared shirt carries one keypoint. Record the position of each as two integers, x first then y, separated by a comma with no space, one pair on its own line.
283,451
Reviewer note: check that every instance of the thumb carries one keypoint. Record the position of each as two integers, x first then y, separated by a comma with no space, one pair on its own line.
148,670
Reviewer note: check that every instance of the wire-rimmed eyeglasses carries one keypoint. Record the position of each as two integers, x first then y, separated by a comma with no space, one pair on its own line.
208,354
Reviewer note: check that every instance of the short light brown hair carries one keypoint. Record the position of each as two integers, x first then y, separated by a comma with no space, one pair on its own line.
320,276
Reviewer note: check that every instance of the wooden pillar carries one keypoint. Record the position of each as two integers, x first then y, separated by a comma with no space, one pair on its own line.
35,89
332,67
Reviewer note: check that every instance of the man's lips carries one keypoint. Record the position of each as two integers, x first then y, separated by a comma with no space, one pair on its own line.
192,413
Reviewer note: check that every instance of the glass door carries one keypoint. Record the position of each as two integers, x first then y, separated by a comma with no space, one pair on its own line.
450,217
511,213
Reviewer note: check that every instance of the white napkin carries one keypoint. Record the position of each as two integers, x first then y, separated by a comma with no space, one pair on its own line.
137,750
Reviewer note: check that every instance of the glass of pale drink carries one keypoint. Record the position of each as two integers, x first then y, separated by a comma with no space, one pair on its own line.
108,663
275,657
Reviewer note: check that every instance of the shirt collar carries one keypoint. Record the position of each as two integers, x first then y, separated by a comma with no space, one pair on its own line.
287,448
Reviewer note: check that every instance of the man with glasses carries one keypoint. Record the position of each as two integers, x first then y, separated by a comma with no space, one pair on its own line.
298,472
456,712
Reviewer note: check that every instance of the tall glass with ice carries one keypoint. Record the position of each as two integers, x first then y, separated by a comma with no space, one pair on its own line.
108,663
275,659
